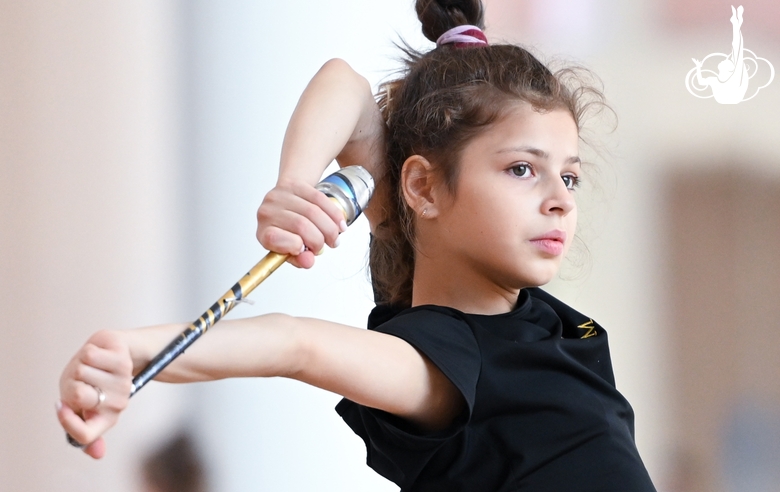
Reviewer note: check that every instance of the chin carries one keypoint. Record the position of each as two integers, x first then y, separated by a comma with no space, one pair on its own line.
538,279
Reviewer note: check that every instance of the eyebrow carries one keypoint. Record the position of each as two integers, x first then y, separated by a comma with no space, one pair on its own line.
539,153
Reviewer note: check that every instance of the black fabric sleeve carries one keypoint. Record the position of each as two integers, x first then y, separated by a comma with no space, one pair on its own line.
394,448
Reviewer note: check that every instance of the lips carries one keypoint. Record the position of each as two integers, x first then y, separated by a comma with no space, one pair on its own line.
555,234
551,242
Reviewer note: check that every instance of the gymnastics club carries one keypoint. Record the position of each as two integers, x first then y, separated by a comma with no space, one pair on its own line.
350,188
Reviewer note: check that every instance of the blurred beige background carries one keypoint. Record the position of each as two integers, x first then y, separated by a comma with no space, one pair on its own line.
137,139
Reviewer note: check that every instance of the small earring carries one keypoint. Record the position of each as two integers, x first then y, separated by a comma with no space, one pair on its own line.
425,211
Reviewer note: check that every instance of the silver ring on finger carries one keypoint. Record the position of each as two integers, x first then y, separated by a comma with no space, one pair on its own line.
101,397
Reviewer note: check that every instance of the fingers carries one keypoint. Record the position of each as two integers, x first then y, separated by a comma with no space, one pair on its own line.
86,431
97,449
93,367
294,217
308,214
95,389
303,260
110,359
73,424
79,395
329,207
83,391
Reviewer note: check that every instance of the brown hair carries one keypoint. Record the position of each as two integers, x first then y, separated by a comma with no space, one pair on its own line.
442,99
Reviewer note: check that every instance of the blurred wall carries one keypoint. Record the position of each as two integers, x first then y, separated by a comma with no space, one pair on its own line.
138,139
90,219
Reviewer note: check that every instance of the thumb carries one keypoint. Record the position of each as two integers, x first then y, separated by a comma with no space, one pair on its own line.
96,449
83,431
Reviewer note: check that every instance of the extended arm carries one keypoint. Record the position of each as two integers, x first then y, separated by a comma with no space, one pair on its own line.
370,368
336,118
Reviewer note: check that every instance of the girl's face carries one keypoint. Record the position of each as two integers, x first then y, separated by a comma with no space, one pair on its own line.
513,216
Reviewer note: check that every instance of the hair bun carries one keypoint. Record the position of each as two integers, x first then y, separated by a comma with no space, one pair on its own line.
439,16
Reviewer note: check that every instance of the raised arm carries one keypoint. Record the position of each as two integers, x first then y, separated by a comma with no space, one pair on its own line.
371,368
336,118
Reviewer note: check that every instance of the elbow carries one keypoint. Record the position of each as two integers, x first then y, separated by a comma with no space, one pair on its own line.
338,66
289,344
345,74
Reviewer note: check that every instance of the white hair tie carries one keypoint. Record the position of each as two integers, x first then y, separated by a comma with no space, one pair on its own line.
463,36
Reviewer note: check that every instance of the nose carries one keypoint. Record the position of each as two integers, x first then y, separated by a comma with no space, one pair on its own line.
558,199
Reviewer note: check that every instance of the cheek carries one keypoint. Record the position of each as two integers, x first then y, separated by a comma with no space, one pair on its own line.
470,209
571,227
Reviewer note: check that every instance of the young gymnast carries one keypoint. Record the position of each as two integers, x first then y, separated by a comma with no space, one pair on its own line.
469,377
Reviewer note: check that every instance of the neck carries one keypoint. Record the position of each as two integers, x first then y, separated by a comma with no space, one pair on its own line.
441,281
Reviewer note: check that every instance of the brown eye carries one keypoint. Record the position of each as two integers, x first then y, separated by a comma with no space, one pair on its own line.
521,170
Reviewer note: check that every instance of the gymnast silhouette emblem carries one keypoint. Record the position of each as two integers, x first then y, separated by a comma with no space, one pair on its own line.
735,70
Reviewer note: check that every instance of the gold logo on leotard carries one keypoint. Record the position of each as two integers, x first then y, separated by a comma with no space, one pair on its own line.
590,327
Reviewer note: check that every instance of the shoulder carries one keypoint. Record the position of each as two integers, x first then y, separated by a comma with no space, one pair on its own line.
440,334
575,324
422,325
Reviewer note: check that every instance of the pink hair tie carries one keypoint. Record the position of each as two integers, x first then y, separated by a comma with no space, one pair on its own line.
463,36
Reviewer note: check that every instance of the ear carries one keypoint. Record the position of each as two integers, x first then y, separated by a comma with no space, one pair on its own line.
419,186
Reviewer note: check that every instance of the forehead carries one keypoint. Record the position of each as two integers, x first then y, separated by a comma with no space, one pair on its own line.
554,132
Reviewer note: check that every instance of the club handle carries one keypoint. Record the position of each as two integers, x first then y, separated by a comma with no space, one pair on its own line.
350,188
224,305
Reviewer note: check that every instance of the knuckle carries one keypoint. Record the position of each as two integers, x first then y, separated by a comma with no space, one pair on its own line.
89,354
300,223
271,238
310,209
262,235
80,372
102,338
81,395
263,214
99,336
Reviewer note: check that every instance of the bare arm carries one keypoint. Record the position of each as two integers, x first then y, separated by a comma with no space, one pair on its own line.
370,368
336,118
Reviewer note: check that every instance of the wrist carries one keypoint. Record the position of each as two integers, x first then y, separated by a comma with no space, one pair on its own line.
292,173
145,343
